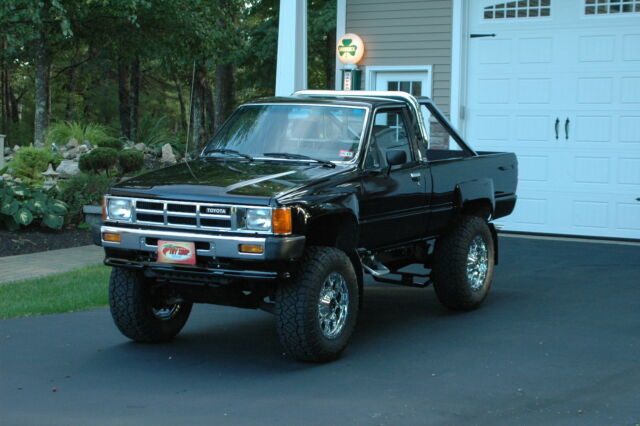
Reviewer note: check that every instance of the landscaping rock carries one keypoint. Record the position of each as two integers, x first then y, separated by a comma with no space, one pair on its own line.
83,149
140,147
70,155
168,156
16,148
7,151
7,177
73,143
88,143
68,168
38,145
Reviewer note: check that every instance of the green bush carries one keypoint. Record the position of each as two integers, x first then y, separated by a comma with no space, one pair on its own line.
130,161
111,143
153,131
99,159
21,205
61,132
29,163
83,190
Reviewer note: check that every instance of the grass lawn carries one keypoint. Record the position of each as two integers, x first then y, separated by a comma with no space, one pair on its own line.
76,290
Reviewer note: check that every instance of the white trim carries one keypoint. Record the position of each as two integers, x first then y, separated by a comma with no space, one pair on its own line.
341,29
291,69
373,70
458,64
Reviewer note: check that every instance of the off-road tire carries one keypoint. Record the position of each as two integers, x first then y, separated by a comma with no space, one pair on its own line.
452,285
131,306
297,309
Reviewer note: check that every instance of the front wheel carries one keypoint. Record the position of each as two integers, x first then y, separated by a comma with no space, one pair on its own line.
463,264
140,314
316,311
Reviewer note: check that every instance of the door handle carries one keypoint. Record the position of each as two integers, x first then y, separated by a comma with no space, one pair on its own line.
556,126
481,35
415,177
566,128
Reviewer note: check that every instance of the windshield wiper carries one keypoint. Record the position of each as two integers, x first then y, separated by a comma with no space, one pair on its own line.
299,157
229,151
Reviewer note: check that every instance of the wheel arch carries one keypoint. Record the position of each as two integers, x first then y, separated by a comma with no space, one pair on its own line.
338,229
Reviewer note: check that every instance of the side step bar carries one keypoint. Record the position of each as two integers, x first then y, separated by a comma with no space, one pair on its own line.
377,270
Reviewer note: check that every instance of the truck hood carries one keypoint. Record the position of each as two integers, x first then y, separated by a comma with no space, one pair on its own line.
237,182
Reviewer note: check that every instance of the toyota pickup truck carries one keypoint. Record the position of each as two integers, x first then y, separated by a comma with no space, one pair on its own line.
294,204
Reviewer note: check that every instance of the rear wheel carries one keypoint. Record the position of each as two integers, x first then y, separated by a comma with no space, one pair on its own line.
463,264
140,314
316,310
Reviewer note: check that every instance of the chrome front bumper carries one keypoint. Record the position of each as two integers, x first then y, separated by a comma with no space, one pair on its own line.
220,246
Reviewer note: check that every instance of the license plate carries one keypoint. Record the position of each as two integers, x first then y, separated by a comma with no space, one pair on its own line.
176,252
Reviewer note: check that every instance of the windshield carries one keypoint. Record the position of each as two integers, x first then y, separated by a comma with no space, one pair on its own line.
329,133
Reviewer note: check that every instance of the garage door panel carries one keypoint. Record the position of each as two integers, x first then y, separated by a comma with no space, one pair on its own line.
629,126
628,216
599,48
580,176
592,128
591,170
630,90
629,171
631,47
535,50
534,90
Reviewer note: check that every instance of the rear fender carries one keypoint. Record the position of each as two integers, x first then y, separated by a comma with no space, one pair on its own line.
475,193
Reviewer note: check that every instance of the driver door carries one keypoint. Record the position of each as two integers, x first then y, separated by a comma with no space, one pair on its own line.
394,206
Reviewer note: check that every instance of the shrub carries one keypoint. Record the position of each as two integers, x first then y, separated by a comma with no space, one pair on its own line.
29,163
20,205
63,131
111,143
130,161
83,190
99,159
154,132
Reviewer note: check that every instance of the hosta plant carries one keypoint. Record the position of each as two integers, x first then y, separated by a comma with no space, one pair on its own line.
21,205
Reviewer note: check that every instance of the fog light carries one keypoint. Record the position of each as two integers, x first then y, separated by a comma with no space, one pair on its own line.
112,238
251,248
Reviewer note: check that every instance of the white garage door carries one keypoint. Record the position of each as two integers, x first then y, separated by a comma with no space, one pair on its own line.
559,84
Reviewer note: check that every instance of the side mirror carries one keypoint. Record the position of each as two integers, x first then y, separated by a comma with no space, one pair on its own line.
396,157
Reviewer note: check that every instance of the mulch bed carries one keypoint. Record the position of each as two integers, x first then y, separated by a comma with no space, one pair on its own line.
40,239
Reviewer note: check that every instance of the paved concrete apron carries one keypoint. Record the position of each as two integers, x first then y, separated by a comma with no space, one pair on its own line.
34,265
557,343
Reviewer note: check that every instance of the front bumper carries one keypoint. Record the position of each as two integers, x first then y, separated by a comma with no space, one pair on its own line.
210,245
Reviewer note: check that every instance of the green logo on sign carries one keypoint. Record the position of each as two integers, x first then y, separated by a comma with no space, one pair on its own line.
346,48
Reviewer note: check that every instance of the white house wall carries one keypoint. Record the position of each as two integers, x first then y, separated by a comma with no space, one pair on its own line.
406,33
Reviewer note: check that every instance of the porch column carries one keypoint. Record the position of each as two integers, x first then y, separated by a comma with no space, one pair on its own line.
291,69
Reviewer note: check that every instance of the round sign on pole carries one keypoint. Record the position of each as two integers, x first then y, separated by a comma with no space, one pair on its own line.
350,49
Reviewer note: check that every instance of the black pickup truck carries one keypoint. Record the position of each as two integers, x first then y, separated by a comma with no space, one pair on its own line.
292,203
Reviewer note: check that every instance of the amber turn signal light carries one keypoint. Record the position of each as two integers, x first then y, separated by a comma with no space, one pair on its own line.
250,248
281,221
112,238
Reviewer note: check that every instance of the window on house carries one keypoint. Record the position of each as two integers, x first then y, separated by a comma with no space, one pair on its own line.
412,87
606,7
518,9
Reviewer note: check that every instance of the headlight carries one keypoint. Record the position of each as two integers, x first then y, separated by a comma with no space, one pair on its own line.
258,219
119,209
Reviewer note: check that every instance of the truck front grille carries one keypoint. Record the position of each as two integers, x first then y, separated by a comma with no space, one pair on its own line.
186,215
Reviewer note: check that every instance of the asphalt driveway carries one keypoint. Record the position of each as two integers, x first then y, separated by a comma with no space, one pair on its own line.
558,342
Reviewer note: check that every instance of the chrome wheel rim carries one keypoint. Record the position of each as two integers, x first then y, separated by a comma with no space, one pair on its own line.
333,305
167,312
477,263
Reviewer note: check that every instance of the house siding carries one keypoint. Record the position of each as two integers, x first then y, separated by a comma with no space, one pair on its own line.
406,33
